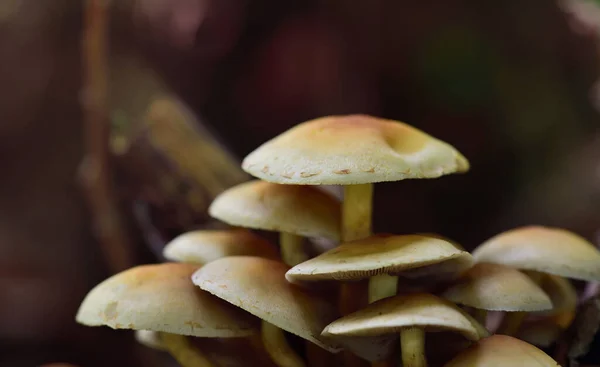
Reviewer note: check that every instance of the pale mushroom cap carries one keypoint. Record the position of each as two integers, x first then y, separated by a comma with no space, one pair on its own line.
301,210
502,351
379,254
547,250
353,149
203,246
162,298
498,288
258,286
150,339
561,292
391,315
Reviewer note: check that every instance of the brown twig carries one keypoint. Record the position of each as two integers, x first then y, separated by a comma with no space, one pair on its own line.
95,169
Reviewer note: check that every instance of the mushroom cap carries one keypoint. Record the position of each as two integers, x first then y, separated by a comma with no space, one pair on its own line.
352,149
203,246
502,351
563,296
302,210
498,288
258,286
150,339
543,332
391,315
162,298
547,250
380,254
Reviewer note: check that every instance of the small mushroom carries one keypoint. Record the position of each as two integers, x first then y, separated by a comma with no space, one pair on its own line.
293,211
540,251
493,287
502,351
161,298
383,254
411,316
203,246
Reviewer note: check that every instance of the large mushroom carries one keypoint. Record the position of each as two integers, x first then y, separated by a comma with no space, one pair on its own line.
355,151
162,298
410,316
502,351
539,251
493,287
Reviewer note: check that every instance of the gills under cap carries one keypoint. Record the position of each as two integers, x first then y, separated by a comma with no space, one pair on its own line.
203,246
381,254
301,210
498,288
352,149
543,249
162,298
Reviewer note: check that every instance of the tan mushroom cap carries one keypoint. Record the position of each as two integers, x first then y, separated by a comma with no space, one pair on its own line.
301,210
150,339
391,315
498,288
352,149
543,332
162,298
562,293
380,254
502,351
258,286
203,246
547,250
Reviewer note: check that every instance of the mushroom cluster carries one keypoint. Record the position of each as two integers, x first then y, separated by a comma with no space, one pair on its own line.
231,298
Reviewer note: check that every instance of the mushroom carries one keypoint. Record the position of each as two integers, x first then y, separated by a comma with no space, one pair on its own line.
150,339
161,298
539,251
294,211
493,287
355,151
259,286
411,316
502,351
203,246
383,254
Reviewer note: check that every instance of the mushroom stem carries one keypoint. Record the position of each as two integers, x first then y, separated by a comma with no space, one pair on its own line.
292,248
480,315
184,353
382,286
511,323
278,348
412,341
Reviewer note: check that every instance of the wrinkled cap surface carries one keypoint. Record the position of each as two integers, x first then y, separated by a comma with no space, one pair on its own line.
547,250
352,149
301,210
391,315
502,351
381,254
203,246
162,298
498,288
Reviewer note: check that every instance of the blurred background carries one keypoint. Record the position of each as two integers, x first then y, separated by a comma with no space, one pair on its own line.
194,85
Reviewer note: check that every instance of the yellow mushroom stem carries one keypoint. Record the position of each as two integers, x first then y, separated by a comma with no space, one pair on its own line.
511,323
292,248
357,210
412,341
184,353
278,348
480,315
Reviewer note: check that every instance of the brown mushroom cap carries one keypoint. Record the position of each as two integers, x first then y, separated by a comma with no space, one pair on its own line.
203,246
353,149
498,288
391,315
301,210
547,250
162,298
502,351
380,254
258,286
